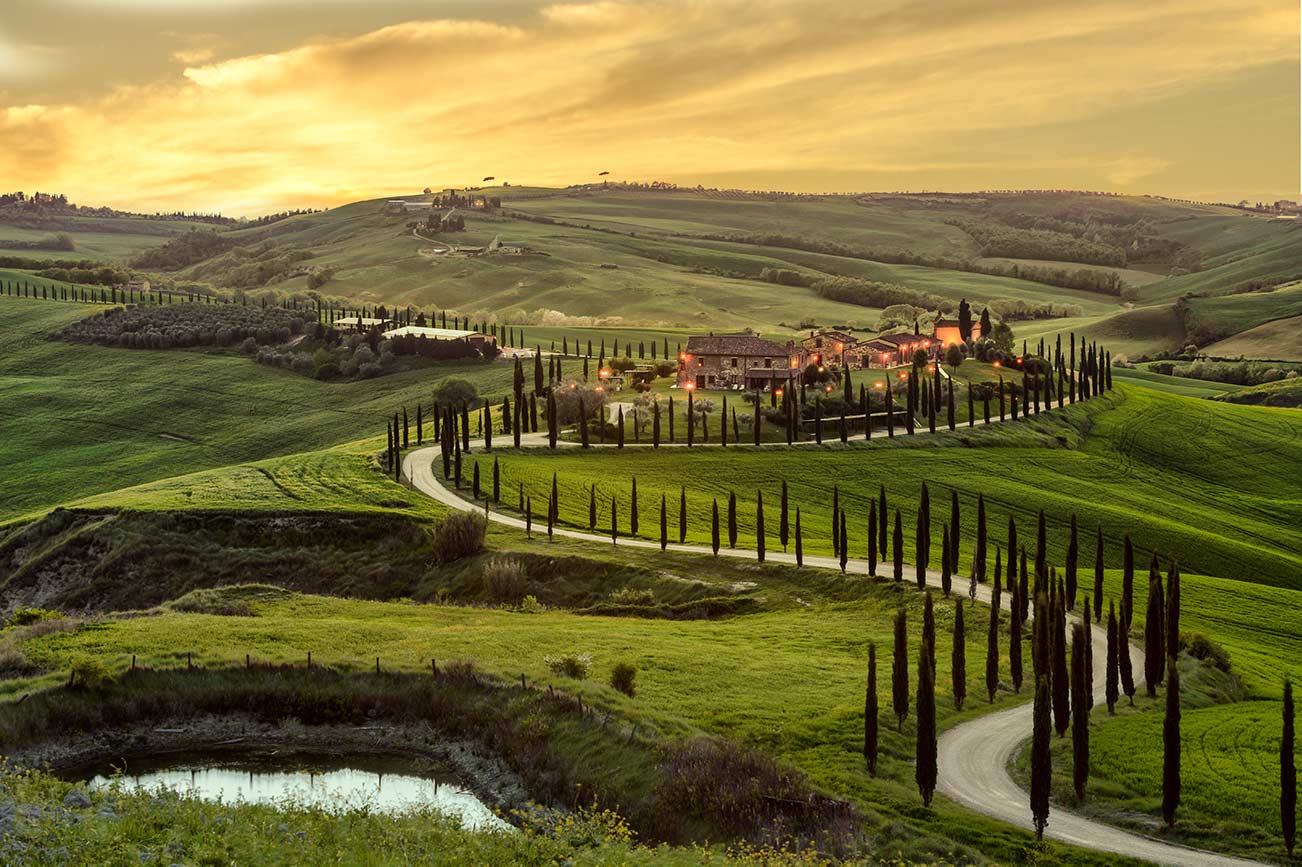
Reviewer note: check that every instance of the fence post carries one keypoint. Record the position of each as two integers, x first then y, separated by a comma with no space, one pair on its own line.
133,662
309,659
189,663
434,667
247,662
377,665
522,686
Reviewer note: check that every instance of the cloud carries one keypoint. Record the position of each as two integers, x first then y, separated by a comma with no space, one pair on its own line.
762,90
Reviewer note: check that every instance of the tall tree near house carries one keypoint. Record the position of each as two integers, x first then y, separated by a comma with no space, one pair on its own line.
1060,682
1041,760
965,321
958,658
1154,632
632,511
1171,745
619,431
553,423
925,753
655,425
1015,640
682,514
1287,773
800,545
923,537
900,670
1110,691
723,423
1098,577
664,523
732,519
870,713
1073,555
992,646
1080,710
949,409
898,553
759,526
670,413
872,538
784,530
714,527
691,420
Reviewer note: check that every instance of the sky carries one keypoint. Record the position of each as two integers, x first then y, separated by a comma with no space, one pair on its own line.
254,106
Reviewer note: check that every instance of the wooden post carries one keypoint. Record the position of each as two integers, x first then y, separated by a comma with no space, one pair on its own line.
309,659
522,684
133,662
189,663
434,667
247,662
377,665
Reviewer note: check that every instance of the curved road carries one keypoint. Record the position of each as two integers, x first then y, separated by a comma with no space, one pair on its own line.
973,757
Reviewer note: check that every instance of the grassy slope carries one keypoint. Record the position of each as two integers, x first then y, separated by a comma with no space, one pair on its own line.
1222,493
1279,340
1270,252
114,238
1231,314
1182,385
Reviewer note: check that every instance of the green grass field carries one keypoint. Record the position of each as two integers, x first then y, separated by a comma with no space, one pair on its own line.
1277,340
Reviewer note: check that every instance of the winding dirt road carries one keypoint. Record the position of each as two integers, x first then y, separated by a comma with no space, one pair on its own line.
973,757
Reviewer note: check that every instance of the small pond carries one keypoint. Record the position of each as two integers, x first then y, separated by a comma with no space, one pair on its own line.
386,784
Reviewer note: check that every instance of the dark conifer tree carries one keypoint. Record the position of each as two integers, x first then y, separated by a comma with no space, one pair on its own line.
882,517
592,507
632,510
1124,669
958,657
870,713
497,482
953,530
836,519
682,514
732,519
1060,682
614,522
1015,640
898,553
900,670
1024,595
474,481
929,626
1080,709
1287,771
949,409
1110,691
714,527
619,431
923,537
655,425
1041,761
946,579
664,523
982,543
800,544
553,423
844,544
1171,745
925,753
1154,632
1012,553
759,526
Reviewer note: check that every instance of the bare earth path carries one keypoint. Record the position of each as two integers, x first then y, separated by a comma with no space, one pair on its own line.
973,757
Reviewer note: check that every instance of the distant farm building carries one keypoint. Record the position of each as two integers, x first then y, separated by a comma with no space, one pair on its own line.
736,361
947,332
361,322
476,339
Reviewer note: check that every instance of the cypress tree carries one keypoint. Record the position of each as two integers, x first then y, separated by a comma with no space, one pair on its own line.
1171,745
714,527
632,511
682,514
923,537
1154,633
619,430
1080,710
900,670
954,529
784,530
929,627
1098,577
759,526
592,507
949,411
1287,773
1012,552
1110,692
899,547
1015,640
845,554
553,423
664,523
497,482
836,519
671,418
800,545
474,481
870,713
1059,677
992,646
1073,552
982,543
614,522
882,518
732,519
723,423
872,538
1024,595
551,515
1124,669
1041,761
958,658
528,518
655,425
946,580
925,754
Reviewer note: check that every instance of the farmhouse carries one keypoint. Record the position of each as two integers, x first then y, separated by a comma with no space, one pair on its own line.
947,332
361,322
736,361
827,346
477,339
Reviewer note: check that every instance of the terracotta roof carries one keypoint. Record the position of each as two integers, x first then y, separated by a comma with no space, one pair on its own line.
901,338
734,344
947,323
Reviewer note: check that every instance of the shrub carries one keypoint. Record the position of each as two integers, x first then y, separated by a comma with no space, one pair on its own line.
632,596
505,579
622,677
211,601
14,663
458,536
1199,646
87,672
531,605
455,391
575,665
27,616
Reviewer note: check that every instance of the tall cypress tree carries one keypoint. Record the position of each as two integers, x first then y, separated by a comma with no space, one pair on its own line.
925,753
992,647
1098,577
958,657
732,519
881,517
1127,612
759,526
898,553
1041,760
870,713
1012,553
614,522
836,519
784,530
900,670
664,523
497,482
1154,632
923,537
592,507
1110,692
1080,710
1287,773
1015,639
844,544
946,579
929,627
1060,682
1171,745
632,510
682,514
714,527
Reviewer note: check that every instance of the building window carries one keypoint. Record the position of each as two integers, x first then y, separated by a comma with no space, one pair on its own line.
734,362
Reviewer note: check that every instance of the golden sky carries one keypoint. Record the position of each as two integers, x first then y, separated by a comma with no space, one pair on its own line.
250,106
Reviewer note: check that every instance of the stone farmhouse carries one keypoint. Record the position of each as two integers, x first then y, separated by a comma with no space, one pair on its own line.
738,362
